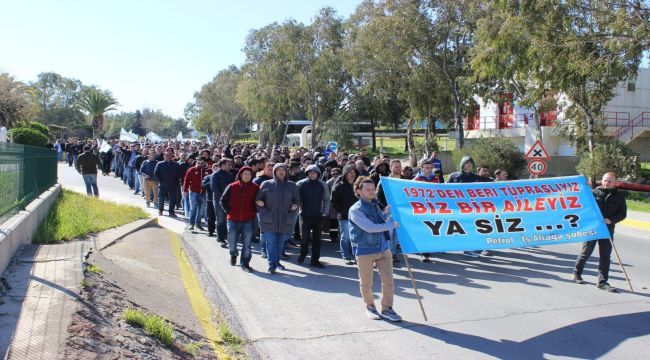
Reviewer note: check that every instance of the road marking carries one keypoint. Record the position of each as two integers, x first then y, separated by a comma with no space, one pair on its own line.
199,302
637,224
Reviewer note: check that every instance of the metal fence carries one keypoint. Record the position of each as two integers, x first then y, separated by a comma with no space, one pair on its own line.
25,173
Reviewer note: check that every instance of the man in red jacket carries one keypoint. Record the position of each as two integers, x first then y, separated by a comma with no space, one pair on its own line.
192,184
238,201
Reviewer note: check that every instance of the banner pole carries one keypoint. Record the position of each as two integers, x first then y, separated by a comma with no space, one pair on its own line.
629,283
417,294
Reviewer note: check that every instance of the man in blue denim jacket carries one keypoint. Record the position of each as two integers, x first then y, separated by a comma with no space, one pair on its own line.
370,230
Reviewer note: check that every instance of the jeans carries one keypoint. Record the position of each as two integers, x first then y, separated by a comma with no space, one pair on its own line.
91,184
262,240
139,181
197,207
345,245
163,192
604,255
128,176
59,156
243,230
274,247
211,217
186,205
311,228
393,242
70,159
222,228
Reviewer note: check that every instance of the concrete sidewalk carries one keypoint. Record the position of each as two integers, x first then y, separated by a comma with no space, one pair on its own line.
45,300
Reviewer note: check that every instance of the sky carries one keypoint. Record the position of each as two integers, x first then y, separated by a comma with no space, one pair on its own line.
153,54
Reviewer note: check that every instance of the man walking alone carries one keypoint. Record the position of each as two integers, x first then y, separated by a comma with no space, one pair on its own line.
86,165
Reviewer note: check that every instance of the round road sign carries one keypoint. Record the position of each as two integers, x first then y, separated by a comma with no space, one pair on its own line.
537,167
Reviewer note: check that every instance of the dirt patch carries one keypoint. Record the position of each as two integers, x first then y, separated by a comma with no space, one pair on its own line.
98,330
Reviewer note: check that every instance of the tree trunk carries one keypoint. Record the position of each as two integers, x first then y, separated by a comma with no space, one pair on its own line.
262,138
373,134
314,134
590,134
457,116
410,142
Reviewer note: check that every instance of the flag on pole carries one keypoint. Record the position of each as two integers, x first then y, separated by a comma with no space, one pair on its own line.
124,136
105,146
179,137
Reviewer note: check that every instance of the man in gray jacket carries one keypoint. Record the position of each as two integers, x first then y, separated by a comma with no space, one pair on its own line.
314,208
277,205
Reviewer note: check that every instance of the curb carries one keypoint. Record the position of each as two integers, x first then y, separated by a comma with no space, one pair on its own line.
217,298
636,224
109,237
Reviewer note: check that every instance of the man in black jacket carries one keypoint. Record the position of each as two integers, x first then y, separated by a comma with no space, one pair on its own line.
86,165
465,175
167,173
218,182
314,207
342,200
614,209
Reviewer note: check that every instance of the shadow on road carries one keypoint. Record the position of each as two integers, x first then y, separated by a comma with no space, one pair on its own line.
584,340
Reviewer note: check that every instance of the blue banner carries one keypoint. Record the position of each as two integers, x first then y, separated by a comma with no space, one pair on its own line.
497,215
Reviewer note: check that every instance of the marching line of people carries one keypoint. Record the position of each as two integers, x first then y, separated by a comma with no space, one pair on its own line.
246,193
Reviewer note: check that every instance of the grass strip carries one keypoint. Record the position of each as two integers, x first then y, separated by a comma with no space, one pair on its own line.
153,325
75,215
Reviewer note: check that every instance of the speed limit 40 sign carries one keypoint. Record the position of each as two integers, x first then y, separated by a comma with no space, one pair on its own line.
537,167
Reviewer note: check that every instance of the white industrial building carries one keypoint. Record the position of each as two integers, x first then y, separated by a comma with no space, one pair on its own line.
627,118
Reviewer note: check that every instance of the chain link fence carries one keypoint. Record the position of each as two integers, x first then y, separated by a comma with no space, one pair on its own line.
25,173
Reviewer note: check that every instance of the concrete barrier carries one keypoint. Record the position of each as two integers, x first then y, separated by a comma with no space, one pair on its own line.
19,229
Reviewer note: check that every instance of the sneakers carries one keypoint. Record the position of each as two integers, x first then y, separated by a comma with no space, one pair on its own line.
281,267
487,253
200,227
317,264
426,259
372,312
348,262
578,279
247,269
271,270
390,314
233,260
301,259
264,256
224,245
191,227
472,254
607,287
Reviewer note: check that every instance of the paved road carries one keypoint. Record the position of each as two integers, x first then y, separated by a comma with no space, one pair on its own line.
519,304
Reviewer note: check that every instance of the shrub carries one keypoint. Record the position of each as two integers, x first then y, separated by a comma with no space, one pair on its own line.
29,136
40,128
493,152
610,155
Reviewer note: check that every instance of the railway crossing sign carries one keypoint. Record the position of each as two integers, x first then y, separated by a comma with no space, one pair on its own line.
537,152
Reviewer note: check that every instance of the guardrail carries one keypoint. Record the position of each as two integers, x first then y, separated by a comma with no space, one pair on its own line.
25,173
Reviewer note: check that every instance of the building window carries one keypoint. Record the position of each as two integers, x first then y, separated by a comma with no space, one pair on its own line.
631,86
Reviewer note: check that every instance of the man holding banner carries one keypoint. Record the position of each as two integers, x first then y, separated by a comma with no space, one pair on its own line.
465,175
614,209
370,230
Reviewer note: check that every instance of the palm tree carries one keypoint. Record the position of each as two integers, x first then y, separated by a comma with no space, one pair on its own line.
97,102
13,101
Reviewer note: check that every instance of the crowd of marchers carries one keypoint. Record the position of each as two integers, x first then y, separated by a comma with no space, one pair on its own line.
281,197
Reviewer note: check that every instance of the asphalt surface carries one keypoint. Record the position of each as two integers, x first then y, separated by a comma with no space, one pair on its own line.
518,304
